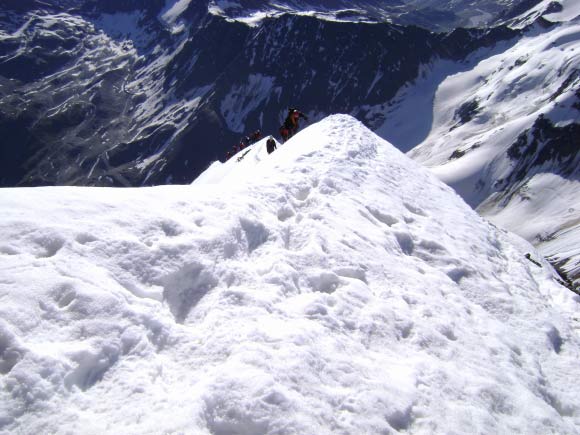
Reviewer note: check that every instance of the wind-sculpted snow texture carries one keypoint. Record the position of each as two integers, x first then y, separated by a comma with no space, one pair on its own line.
332,287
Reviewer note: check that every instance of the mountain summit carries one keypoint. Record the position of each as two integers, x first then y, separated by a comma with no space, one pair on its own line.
334,286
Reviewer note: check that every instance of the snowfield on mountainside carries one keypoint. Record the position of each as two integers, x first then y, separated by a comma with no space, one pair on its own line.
332,287
503,129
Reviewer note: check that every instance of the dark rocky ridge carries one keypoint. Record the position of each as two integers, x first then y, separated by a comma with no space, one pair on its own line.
543,148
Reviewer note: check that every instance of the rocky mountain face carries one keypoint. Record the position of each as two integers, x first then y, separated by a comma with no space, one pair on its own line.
133,92
436,15
543,144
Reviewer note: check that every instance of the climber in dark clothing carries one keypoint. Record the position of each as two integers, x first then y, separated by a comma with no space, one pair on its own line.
270,145
290,126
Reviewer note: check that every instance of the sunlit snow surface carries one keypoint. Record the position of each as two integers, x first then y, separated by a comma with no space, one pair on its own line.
332,287
512,83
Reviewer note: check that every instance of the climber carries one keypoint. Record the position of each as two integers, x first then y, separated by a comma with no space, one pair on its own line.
290,126
255,136
270,145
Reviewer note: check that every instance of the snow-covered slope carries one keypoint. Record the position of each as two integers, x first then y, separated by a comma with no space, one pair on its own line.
334,286
526,12
503,128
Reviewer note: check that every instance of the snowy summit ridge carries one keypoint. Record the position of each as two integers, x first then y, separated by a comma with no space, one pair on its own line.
334,286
